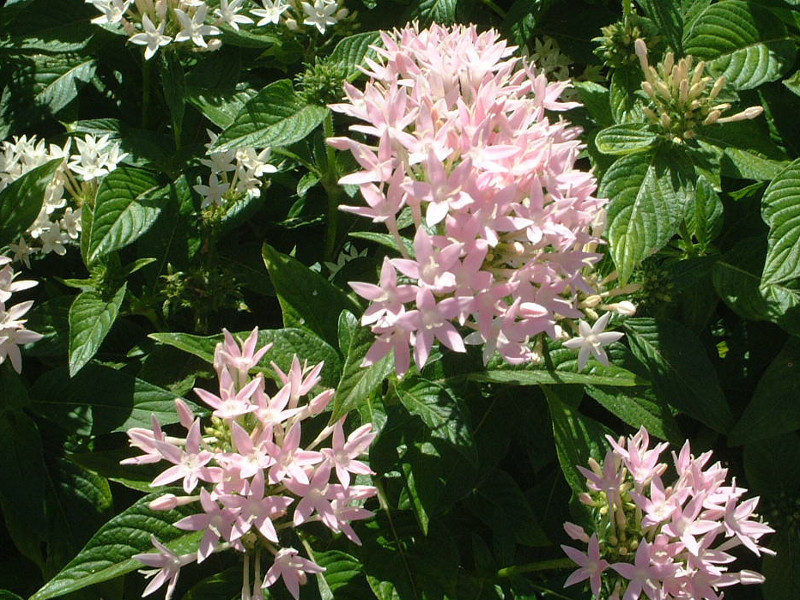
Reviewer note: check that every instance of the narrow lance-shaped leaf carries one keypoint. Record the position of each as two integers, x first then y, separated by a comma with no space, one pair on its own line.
90,320
625,138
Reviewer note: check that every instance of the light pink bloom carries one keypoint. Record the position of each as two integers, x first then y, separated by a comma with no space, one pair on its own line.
292,568
168,566
591,565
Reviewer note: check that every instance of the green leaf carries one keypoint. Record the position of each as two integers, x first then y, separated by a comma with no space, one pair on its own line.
498,501
668,20
638,407
122,211
220,586
782,571
285,344
793,83
625,83
577,438
90,320
22,200
351,51
307,298
772,465
774,408
744,42
109,554
436,11
681,371
649,194
357,382
704,218
626,138
275,116
340,570
780,209
59,80
440,410
595,99
22,486
101,400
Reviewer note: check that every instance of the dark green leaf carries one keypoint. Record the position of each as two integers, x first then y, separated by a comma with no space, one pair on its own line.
351,51
772,465
90,320
780,209
110,552
625,82
436,11
101,400
577,437
626,138
307,298
22,200
122,212
680,369
774,408
648,196
782,571
358,382
741,41
275,116
173,84
704,218
668,20
638,407
59,79
220,586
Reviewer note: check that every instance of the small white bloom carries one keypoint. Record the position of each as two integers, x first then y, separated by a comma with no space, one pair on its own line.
213,193
153,37
591,341
52,239
271,13
321,14
194,27
71,222
228,13
113,11
22,252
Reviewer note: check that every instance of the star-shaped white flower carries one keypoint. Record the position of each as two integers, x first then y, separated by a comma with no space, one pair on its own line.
271,13
320,15
153,37
591,341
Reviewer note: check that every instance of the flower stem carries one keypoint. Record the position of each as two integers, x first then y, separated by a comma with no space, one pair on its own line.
543,565
330,183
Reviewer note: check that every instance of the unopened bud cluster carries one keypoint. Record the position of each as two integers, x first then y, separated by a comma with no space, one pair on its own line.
666,541
683,98
250,473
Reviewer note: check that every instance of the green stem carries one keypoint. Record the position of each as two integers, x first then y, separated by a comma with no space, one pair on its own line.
627,9
553,564
147,72
333,191
496,9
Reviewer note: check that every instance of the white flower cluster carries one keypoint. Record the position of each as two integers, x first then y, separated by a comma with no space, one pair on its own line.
234,174
77,178
12,326
157,23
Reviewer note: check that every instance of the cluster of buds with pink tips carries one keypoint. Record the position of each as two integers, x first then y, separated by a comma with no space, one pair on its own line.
663,541
12,326
505,227
250,475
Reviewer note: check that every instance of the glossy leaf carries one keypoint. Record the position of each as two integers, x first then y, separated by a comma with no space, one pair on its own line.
101,400
110,552
275,116
436,11
638,408
60,79
626,138
285,344
122,212
773,409
649,194
780,208
681,371
350,52
741,41
307,298
358,382
90,320
704,217
21,201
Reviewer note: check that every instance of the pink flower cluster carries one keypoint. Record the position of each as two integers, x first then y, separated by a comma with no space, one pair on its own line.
12,326
663,541
505,226
250,473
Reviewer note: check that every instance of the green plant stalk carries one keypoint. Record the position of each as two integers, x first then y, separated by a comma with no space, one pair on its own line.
553,564
495,8
333,191
687,240
147,75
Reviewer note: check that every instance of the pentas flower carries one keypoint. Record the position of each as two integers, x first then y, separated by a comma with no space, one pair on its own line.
455,134
12,326
662,541
235,174
251,474
84,162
